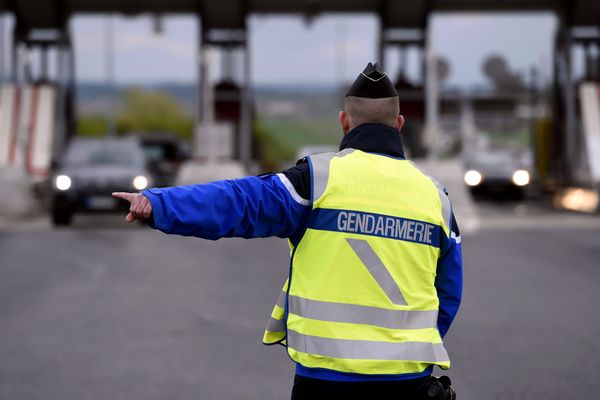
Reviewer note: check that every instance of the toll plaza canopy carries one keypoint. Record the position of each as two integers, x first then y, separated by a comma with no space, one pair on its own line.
230,14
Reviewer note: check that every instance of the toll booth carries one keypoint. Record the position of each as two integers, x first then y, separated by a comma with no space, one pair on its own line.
412,95
224,123
412,107
27,130
574,145
573,104
36,109
223,24
228,109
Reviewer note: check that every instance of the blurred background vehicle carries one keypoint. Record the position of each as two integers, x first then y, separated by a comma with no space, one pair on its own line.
164,154
498,172
91,170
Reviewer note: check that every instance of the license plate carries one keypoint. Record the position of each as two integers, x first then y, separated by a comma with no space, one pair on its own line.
101,202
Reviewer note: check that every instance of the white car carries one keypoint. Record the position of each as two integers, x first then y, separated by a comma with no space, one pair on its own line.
498,173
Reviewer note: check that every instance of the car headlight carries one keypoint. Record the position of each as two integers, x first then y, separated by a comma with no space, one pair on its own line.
62,182
140,182
521,178
473,178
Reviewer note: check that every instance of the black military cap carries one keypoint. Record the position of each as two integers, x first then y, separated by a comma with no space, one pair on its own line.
373,84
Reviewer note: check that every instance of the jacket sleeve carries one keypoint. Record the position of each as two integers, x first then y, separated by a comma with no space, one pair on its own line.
249,207
448,281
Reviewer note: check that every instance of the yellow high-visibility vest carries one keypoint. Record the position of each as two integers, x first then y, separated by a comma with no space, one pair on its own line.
360,296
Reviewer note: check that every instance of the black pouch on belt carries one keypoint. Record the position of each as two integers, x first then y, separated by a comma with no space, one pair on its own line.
441,389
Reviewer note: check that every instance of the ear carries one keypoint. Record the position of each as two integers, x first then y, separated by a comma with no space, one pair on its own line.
399,122
344,121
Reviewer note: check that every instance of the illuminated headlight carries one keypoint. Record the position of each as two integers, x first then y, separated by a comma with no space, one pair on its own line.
62,182
521,178
473,178
140,182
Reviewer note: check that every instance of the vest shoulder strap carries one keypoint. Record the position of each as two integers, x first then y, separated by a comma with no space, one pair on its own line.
319,165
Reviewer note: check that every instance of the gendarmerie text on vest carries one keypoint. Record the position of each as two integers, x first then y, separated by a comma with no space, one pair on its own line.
381,225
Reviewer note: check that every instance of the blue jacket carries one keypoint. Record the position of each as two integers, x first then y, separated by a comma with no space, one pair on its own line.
279,205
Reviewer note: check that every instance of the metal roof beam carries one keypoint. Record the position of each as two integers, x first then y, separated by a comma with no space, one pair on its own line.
230,14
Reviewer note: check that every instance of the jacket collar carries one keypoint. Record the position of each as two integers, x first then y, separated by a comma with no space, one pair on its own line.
374,138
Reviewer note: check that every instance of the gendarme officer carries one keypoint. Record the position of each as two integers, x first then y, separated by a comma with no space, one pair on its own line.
375,276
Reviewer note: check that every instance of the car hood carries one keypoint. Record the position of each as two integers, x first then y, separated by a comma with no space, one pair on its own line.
495,164
103,171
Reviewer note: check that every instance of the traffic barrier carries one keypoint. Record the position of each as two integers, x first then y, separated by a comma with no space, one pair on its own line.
27,127
589,94
41,132
9,112
27,121
16,194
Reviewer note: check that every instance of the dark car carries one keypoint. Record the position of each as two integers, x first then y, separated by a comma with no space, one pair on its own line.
164,154
91,170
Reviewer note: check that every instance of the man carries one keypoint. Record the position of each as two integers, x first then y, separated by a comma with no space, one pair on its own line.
375,274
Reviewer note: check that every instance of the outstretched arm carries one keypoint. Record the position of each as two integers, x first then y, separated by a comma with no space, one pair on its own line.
248,207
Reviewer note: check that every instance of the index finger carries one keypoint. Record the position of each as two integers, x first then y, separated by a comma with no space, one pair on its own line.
125,196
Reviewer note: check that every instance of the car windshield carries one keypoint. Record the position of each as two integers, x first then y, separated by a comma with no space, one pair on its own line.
98,153
154,152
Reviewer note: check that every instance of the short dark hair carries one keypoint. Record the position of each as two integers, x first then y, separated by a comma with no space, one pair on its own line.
363,110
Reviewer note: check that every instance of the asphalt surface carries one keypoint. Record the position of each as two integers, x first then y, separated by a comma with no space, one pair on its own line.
107,311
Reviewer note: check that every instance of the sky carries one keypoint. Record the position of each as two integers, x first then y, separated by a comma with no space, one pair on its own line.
329,49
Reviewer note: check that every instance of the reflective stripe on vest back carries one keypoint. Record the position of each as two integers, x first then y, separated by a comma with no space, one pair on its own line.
361,294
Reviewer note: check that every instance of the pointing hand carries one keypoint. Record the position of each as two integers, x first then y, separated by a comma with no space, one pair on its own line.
140,207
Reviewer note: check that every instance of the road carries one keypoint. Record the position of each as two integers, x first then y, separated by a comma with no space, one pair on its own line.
107,311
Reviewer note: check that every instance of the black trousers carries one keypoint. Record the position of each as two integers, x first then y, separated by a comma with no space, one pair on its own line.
316,389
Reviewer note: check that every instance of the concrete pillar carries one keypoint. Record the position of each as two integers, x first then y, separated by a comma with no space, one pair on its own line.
26,55
587,61
227,63
65,125
431,98
200,72
597,65
246,112
109,59
206,90
467,121
71,109
423,62
403,59
205,116
60,127
43,63
2,48
15,64
381,45
570,131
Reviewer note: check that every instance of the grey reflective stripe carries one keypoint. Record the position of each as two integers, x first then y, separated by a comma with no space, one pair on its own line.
281,300
446,205
320,171
365,315
366,349
276,325
380,273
